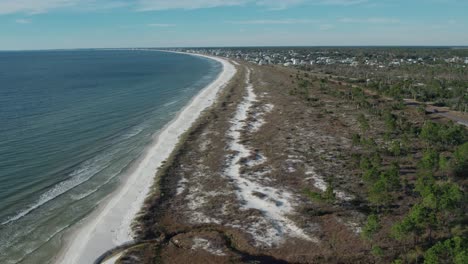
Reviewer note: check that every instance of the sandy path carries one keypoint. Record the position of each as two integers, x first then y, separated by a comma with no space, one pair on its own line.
110,225
275,204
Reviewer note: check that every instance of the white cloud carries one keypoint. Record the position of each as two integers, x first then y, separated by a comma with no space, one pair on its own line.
273,22
279,4
33,6
325,27
161,25
42,6
147,5
23,21
371,20
341,2
452,22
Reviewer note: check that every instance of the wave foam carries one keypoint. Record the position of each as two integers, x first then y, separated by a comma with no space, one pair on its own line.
77,177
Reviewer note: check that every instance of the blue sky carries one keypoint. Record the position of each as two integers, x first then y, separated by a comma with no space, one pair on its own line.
51,24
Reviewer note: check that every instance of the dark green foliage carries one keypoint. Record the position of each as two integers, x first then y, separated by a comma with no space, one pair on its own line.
399,104
356,139
390,121
438,196
450,134
429,160
392,176
376,160
377,251
387,182
442,196
379,192
363,123
369,143
453,250
370,175
365,163
371,168
418,219
443,163
461,160
314,196
372,227
395,148
329,194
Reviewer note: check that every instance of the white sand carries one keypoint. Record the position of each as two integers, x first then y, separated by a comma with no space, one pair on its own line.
110,225
206,245
275,204
113,259
319,183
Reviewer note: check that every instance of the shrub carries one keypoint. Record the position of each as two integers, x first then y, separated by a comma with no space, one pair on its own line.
372,226
461,160
454,250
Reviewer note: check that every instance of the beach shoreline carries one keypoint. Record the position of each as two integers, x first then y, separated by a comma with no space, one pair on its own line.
111,223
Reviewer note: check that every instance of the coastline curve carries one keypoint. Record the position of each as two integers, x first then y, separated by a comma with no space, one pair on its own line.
110,224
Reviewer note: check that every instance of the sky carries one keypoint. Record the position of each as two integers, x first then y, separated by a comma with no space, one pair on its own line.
67,24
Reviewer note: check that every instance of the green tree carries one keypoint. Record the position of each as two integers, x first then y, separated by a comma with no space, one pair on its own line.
443,163
430,131
365,163
430,160
376,160
390,120
454,250
461,160
450,134
419,219
392,176
356,139
453,134
395,148
371,227
363,123
379,192
370,175
329,194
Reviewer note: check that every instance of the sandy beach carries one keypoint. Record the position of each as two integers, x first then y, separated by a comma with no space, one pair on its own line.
110,224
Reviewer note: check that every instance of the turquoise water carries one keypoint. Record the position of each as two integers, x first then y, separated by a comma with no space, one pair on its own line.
71,122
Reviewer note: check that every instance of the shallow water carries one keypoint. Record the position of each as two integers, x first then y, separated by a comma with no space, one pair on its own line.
71,122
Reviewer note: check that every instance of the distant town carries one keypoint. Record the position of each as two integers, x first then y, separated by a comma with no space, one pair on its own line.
330,56
435,75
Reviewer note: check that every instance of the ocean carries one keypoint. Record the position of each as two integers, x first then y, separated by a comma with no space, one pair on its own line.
71,124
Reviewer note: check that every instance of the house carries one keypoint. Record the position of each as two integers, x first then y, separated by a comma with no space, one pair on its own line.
395,63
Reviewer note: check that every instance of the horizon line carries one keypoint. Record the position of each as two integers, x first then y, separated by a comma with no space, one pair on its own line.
253,46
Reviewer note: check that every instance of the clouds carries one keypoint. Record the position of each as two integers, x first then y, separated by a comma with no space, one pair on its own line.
152,5
323,24
23,21
32,6
160,25
43,6
289,21
371,20
326,27
147,5
111,23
